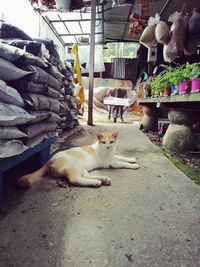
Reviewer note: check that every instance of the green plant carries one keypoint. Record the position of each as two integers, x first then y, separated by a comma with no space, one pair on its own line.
195,72
161,81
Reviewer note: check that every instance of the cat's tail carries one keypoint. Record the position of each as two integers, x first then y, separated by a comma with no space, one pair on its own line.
28,179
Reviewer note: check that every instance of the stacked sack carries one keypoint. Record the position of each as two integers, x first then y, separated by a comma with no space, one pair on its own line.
44,86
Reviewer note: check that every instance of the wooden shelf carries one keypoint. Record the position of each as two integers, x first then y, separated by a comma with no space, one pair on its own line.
192,97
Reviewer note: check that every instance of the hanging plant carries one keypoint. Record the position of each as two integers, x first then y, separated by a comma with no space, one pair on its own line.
33,2
51,4
76,4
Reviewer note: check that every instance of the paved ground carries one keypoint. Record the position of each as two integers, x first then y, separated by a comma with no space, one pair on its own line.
147,217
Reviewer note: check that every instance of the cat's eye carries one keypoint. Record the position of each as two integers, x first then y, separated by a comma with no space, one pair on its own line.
103,142
111,142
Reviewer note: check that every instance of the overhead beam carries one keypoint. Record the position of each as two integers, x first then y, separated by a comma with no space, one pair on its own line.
77,34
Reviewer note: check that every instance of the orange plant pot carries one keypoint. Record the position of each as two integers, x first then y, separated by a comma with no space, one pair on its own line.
166,92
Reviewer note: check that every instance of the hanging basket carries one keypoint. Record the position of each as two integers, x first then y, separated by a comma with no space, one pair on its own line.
63,5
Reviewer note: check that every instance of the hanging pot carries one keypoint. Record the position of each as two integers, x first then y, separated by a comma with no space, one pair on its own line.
195,85
63,5
184,87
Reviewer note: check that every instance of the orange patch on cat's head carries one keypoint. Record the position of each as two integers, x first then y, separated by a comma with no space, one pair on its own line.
103,136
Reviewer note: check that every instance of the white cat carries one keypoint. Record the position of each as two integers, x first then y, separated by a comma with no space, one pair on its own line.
75,163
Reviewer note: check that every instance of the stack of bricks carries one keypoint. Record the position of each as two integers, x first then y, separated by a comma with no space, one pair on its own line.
139,23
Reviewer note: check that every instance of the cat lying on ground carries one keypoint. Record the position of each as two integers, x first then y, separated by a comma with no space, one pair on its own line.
75,163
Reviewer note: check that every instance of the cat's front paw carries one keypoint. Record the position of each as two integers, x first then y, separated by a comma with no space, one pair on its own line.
106,181
132,160
135,166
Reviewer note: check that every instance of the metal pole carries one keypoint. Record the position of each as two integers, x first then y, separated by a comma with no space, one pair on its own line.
91,67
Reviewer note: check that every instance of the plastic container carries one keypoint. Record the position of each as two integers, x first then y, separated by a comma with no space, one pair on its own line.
195,85
184,87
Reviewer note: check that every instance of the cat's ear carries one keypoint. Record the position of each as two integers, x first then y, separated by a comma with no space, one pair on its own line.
99,135
115,134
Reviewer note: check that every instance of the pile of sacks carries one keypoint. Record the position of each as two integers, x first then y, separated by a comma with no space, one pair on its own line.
36,92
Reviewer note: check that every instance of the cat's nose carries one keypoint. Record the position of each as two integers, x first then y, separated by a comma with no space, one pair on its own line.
108,147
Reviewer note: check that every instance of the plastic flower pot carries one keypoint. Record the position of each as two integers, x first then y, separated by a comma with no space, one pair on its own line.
173,89
195,85
166,92
184,87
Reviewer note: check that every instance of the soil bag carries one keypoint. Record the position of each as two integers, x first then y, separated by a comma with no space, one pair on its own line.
33,130
41,102
9,72
28,87
194,25
175,47
10,52
162,33
190,47
41,76
33,47
11,115
39,115
148,36
54,56
11,132
38,139
54,118
10,31
10,95
11,148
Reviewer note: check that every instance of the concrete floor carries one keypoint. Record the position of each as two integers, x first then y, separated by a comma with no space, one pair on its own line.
147,217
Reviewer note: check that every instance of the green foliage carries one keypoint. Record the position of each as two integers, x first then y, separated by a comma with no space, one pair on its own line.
195,73
191,172
169,75
161,81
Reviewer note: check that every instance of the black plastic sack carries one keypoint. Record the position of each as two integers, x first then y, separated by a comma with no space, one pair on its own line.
10,132
35,88
41,76
28,58
10,52
11,115
19,57
9,72
39,115
28,87
41,102
10,95
32,47
54,56
33,130
54,118
38,139
11,148
8,30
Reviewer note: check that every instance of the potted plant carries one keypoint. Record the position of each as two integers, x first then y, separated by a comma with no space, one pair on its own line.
160,85
183,73
195,78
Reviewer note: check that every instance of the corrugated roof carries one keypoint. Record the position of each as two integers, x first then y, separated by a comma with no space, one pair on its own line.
112,24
